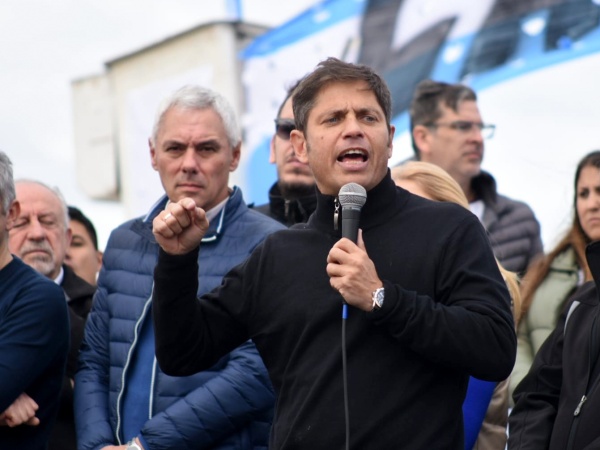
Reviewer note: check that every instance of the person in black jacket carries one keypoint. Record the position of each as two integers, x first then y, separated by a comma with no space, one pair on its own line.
292,197
41,238
557,404
425,304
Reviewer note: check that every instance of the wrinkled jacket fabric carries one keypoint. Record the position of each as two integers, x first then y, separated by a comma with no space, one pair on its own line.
512,227
557,404
228,406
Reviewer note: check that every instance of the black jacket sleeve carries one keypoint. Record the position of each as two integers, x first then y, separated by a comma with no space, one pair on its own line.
184,341
537,395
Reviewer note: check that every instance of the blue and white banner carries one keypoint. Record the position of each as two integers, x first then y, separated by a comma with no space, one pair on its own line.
533,63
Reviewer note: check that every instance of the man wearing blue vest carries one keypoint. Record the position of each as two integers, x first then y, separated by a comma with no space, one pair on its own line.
122,398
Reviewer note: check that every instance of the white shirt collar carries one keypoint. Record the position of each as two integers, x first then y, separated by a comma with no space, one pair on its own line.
477,207
215,210
60,277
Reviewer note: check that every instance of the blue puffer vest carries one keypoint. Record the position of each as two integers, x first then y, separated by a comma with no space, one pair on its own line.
226,407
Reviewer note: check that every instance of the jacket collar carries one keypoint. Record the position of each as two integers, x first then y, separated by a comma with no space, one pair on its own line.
484,186
291,211
74,286
592,254
588,292
383,202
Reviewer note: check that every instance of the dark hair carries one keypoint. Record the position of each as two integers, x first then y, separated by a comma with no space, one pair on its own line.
289,93
429,95
78,216
575,238
330,71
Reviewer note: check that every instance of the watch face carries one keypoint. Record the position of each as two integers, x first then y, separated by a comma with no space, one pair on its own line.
378,297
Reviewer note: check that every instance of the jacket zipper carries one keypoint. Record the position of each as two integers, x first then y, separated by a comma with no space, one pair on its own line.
126,367
588,389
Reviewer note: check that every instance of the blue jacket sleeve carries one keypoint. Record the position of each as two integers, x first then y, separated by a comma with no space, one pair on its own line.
219,408
477,400
92,380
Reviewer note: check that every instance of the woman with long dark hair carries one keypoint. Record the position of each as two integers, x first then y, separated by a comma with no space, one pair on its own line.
552,279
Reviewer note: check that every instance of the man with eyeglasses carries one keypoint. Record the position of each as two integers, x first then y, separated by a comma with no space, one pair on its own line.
292,198
447,130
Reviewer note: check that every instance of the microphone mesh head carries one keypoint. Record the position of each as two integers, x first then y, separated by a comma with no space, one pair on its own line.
352,195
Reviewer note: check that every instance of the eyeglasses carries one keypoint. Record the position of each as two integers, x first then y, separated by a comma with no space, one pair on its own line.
466,127
283,128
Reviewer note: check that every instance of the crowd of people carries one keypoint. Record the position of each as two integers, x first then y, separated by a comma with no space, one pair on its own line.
210,323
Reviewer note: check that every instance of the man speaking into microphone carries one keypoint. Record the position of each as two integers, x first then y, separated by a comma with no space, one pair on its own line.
427,306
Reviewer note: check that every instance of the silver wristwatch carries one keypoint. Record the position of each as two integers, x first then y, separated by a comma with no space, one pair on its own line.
133,445
378,296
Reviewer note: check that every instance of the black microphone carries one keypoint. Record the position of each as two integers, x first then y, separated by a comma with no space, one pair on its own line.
352,197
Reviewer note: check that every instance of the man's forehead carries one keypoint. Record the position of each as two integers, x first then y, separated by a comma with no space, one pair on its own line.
35,190
349,85
38,200
43,211
367,95
462,107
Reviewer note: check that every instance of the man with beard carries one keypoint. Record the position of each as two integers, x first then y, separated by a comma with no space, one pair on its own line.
292,198
41,237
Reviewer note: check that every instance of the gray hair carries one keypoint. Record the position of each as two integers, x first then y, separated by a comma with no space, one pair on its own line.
56,192
7,184
196,97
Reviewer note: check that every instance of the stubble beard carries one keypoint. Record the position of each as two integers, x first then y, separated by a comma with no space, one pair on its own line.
42,263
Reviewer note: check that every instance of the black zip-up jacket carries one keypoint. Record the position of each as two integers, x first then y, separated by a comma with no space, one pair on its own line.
557,405
288,211
446,316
